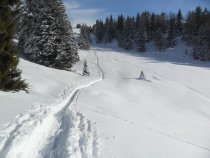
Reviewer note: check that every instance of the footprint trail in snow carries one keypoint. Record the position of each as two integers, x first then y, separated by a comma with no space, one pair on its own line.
58,131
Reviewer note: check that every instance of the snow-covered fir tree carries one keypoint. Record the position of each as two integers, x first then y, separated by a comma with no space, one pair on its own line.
66,41
141,38
10,75
171,32
85,69
99,31
46,36
159,40
110,29
179,24
127,35
126,40
201,50
84,39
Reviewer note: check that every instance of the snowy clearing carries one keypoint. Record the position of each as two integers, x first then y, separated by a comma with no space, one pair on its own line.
167,114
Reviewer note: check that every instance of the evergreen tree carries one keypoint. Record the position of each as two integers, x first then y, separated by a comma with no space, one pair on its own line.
179,25
110,29
84,39
201,49
127,36
159,40
10,76
141,38
66,41
162,23
107,27
138,21
78,26
120,27
145,20
120,24
85,69
46,36
171,32
99,31
152,29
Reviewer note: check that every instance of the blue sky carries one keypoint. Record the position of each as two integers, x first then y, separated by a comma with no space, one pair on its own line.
87,11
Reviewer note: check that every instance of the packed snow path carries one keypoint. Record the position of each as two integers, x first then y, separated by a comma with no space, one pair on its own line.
58,131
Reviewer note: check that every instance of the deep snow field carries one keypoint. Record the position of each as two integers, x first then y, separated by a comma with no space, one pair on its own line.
111,114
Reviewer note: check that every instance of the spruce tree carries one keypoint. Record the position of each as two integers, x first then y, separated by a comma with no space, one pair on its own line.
152,29
179,25
145,20
99,31
107,27
162,23
66,41
84,39
110,29
85,69
159,40
10,76
46,35
127,36
120,24
120,27
171,32
201,49
141,38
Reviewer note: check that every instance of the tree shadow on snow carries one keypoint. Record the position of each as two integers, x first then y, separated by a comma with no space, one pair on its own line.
130,78
179,58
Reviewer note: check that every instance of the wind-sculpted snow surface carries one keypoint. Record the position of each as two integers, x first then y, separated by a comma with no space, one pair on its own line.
54,131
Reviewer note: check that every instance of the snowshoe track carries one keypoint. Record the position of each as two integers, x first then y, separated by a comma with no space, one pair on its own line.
58,131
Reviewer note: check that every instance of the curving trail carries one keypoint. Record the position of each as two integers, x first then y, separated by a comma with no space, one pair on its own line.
53,131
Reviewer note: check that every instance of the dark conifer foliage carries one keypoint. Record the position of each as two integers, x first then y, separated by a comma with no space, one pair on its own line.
201,49
127,36
171,32
159,40
179,24
10,76
46,36
197,33
99,31
85,69
163,29
84,39
141,38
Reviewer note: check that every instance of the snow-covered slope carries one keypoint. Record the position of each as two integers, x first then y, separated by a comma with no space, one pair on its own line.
52,127
165,115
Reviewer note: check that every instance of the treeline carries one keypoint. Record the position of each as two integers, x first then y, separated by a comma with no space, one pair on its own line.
162,29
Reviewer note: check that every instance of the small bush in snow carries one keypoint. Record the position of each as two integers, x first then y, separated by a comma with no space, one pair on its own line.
85,69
